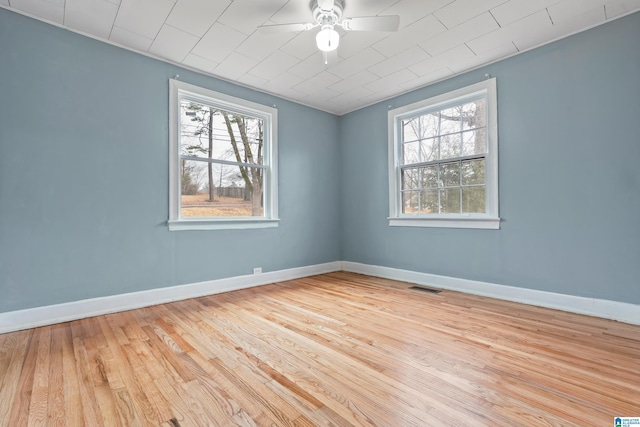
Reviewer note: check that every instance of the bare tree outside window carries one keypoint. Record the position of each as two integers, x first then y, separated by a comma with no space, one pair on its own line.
227,148
443,160
223,161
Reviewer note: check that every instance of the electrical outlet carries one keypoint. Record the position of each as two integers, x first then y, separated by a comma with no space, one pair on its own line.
257,270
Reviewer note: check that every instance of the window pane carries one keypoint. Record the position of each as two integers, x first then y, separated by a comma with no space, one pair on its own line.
429,177
450,141
450,146
410,153
410,179
474,114
474,142
430,125
450,200
410,202
472,172
429,202
450,174
429,150
450,120
235,191
213,133
473,200
410,129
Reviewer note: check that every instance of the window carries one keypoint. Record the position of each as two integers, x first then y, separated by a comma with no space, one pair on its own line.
443,160
222,161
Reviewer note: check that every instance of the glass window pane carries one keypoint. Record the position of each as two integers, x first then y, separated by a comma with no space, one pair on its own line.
192,177
450,119
472,172
475,114
410,129
429,177
450,174
209,132
430,125
410,202
429,201
474,142
450,200
429,150
409,178
235,191
473,199
410,153
450,146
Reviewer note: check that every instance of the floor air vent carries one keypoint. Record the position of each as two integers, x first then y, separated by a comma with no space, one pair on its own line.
425,289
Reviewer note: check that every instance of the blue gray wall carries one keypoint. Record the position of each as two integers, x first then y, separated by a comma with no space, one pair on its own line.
84,176
569,152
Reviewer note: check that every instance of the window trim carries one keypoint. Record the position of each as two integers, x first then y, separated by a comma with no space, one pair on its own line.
178,90
488,220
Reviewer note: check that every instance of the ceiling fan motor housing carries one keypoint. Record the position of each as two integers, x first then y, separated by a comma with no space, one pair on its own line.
325,17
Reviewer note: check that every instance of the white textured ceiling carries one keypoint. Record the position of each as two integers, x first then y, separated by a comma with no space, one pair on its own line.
437,39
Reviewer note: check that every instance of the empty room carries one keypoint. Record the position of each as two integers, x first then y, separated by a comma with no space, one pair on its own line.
319,213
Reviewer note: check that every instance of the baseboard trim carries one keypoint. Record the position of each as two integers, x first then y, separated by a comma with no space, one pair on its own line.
47,315
614,310
41,316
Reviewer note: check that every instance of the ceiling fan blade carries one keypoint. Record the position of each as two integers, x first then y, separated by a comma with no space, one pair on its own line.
372,23
284,28
326,5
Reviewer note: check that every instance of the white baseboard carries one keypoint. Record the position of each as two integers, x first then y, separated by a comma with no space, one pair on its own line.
51,314
614,310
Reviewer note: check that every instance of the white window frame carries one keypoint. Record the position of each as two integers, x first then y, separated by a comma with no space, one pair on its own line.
488,220
179,90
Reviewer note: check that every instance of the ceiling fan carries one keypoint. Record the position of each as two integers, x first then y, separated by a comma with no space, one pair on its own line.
326,15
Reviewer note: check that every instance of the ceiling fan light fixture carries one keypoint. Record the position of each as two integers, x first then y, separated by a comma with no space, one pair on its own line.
327,38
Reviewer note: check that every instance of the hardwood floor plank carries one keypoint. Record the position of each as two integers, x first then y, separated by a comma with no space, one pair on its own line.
40,391
71,383
187,409
338,349
56,414
150,406
19,414
15,348
126,409
90,408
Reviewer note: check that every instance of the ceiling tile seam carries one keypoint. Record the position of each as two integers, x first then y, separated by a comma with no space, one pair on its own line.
494,18
549,15
395,56
288,70
469,47
514,45
210,26
272,15
439,20
246,72
390,6
163,24
113,24
229,54
407,47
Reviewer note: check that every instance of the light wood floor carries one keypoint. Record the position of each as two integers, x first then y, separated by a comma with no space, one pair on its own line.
338,349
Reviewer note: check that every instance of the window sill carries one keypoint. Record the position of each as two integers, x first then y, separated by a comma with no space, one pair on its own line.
483,223
221,224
